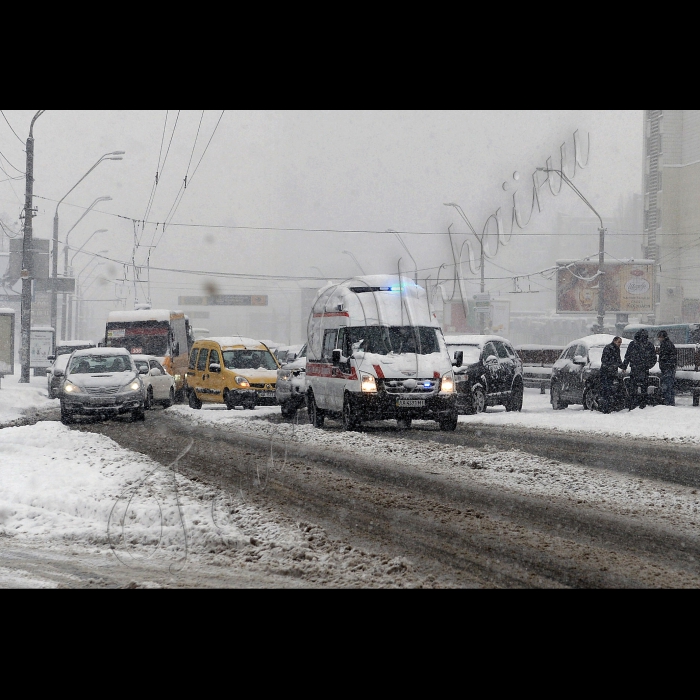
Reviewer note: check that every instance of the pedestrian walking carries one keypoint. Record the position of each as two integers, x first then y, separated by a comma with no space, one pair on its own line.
640,357
610,363
668,360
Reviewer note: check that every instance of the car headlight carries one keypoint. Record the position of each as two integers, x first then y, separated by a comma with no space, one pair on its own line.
71,388
284,375
242,382
447,383
369,383
132,386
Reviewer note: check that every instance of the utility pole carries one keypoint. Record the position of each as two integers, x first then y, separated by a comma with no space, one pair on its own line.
27,258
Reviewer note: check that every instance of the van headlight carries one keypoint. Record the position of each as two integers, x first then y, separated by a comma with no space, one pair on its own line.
242,382
369,383
284,375
447,383
71,388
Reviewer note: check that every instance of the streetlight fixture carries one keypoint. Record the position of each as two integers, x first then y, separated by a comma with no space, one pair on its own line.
601,245
347,252
479,238
99,230
113,155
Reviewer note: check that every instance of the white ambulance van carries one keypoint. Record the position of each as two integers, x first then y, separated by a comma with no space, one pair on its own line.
376,351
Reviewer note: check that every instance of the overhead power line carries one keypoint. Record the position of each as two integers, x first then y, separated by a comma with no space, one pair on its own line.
10,125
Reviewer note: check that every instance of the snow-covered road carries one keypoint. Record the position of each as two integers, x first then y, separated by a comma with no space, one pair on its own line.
69,490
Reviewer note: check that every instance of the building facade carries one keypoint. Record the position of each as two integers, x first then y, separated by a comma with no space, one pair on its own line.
671,187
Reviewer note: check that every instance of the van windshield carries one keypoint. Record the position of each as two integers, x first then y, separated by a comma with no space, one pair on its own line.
248,359
419,340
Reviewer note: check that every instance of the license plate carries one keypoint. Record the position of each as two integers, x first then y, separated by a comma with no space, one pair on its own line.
266,394
410,403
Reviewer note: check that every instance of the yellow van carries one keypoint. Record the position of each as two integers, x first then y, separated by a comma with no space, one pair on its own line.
233,371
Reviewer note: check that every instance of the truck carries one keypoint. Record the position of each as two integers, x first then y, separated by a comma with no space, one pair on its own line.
376,351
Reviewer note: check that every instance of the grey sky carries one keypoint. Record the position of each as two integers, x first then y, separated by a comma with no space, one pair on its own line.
324,170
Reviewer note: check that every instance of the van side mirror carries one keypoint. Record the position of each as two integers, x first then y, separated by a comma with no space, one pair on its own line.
336,356
579,360
58,372
491,360
459,358
215,367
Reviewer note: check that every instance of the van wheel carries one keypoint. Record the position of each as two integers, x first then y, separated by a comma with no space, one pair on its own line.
315,413
139,414
66,415
149,398
171,400
193,401
555,396
449,423
478,399
515,402
351,421
228,400
288,411
250,404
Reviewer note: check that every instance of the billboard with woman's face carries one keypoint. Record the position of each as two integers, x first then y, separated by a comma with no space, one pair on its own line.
628,287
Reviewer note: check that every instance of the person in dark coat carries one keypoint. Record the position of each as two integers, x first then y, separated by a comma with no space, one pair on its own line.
640,357
668,359
609,364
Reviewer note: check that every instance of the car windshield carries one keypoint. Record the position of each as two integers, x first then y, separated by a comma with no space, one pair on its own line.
419,340
248,359
89,364
471,353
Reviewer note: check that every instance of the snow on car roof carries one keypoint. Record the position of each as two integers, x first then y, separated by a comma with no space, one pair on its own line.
596,340
237,341
139,315
107,352
138,356
479,340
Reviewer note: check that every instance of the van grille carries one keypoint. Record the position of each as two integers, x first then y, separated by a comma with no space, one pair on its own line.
396,386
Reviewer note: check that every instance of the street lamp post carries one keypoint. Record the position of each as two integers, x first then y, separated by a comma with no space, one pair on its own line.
80,292
113,155
66,271
27,257
67,297
601,246
479,238
347,252
69,324
405,247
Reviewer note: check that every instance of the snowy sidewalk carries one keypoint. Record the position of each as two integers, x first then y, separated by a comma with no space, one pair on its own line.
16,400
679,423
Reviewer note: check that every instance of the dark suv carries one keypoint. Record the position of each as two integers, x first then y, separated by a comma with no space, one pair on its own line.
491,373
576,375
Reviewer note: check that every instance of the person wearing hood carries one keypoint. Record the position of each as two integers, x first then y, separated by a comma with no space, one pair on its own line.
610,363
668,359
640,357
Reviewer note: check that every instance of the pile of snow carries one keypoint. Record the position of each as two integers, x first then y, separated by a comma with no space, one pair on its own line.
18,400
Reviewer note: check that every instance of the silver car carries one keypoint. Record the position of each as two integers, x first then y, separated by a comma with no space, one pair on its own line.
102,381
290,388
